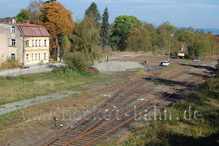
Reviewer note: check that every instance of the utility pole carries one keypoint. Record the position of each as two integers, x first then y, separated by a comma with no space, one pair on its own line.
169,47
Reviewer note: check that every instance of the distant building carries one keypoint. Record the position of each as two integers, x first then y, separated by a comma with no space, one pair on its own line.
26,42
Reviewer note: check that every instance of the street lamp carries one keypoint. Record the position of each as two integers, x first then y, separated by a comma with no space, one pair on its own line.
169,48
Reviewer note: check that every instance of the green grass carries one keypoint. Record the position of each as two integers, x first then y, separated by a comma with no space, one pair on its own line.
33,85
33,101
11,114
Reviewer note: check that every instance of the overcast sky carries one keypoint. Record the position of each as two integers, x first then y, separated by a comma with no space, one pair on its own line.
180,13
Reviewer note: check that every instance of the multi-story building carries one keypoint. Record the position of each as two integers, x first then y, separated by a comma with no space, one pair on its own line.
27,43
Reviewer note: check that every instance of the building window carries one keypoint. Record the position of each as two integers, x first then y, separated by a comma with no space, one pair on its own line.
45,43
39,43
13,29
44,56
36,43
12,56
32,57
13,42
27,57
33,43
39,56
28,43
35,56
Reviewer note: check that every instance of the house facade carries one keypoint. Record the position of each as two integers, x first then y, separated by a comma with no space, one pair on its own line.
27,43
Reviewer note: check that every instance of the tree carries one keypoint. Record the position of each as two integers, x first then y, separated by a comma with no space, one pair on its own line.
83,49
85,37
121,27
152,31
34,8
190,29
23,15
105,29
164,32
50,1
138,40
65,45
57,20
92,11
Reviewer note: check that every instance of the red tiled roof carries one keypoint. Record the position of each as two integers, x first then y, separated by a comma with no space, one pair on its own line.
32,30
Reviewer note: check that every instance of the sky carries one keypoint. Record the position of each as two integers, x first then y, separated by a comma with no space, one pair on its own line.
180,13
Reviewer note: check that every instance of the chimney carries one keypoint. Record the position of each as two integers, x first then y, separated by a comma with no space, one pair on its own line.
8,21
27,21
14,20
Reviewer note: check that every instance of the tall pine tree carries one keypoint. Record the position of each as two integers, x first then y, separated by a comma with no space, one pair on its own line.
105,29
92,11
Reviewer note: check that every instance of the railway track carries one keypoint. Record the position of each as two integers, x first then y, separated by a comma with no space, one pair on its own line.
105,120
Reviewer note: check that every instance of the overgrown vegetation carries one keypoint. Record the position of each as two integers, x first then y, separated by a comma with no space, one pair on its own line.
202,129
10,63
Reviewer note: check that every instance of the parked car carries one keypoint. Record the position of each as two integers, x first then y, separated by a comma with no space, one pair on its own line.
164,63
92,69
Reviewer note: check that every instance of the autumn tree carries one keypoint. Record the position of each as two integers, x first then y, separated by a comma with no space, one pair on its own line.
121,27
93,12
105,29
58,21
138,40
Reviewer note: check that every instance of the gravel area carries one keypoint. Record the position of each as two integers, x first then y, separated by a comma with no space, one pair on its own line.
117,65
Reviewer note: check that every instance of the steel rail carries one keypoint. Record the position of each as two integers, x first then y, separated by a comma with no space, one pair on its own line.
110,111
92,114
77,138
129,120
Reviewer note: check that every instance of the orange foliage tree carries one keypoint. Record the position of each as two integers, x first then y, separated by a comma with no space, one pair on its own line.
58,21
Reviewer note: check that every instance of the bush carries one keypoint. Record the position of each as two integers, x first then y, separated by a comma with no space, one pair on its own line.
10,63
77,61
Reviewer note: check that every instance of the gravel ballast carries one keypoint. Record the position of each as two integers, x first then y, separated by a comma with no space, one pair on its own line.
117,65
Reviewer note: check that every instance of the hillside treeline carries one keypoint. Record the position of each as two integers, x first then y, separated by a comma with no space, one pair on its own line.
80,42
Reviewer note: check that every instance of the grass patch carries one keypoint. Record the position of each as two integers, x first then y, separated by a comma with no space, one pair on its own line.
49,98
18,106
64,93
33,101
33,85
11,114
2,107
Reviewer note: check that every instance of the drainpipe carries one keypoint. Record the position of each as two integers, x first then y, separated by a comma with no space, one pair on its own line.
22,34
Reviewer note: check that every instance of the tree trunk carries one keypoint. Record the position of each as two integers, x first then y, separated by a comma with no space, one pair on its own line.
58,49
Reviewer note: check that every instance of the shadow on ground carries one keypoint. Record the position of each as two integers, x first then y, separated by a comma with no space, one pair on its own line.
176,139
199,66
